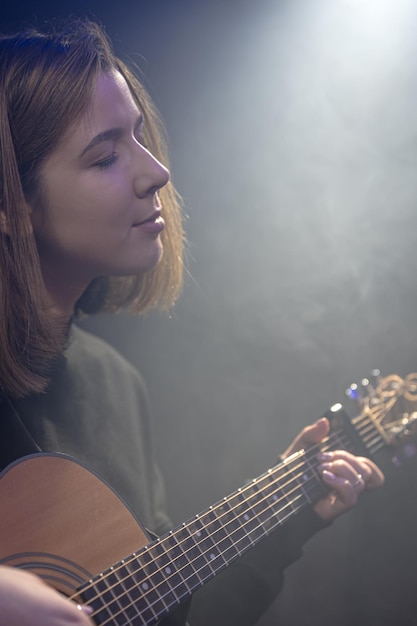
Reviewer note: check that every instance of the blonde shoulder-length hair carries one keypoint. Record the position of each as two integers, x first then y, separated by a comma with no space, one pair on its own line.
46,82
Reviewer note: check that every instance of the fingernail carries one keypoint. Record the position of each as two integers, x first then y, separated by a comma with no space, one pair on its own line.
324,467
328,474
85,609
324,456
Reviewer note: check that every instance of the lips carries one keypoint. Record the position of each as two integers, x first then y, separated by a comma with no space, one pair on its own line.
152,218
152,225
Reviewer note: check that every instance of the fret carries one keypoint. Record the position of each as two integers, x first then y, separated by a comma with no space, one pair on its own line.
281,500
124,603
266,506
205,527
249,511
221,521
136,590
175,555
127,573
202,561
159,575
113,602
313,486
243,520
304,480
194,560
102,596
152,597
94,597
169,568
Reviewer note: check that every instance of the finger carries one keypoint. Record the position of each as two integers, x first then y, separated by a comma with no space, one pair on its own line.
341,497
342,487
348,476
359,483
84,608
309,436
372,475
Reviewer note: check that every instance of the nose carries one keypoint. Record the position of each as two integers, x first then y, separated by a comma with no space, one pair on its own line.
150,174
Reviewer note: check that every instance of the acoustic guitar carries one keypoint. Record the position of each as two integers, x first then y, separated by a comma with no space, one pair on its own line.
62,522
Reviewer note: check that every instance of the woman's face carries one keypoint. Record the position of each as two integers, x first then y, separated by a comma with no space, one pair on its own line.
100,212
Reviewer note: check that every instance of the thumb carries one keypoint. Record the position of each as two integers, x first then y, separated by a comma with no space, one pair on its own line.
309,436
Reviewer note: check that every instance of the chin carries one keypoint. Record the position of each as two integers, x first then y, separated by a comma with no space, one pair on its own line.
149,262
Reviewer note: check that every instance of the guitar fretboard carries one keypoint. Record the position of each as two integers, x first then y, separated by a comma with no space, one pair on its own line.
145,586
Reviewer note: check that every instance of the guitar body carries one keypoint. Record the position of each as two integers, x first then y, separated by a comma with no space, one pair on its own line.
61,522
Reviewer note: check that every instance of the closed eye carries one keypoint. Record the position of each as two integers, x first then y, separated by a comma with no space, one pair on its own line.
108,162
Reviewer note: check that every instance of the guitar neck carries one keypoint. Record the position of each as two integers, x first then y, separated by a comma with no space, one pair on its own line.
145,586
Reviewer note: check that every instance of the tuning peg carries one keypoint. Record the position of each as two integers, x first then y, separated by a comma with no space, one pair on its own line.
368,387
366,391
371,386
376,377
354,393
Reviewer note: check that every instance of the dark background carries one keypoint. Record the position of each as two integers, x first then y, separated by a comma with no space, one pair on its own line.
293,139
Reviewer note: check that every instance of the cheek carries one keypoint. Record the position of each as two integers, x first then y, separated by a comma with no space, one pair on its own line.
85,212
84,208
106,198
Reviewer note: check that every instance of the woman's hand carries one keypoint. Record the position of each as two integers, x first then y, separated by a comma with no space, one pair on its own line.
346,475
25,600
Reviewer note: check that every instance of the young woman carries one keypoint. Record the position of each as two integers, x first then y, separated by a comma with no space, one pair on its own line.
89,221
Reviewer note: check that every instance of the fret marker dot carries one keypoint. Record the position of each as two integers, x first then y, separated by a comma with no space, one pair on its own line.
168,570
212,556
246,516
145,586
305,477
275,497
198,533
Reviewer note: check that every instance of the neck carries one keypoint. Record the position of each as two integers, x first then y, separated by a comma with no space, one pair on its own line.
62,295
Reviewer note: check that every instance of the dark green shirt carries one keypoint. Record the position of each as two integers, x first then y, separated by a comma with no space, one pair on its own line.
96,409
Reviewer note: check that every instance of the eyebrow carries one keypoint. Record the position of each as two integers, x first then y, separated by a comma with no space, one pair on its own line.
112,134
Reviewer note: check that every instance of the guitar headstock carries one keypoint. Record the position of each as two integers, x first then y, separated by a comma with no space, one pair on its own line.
388,412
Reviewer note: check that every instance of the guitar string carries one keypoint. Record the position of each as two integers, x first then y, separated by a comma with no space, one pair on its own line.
184,580
158,571
375,412
370,425
118,583
124,594
157,616
178,530
280,478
